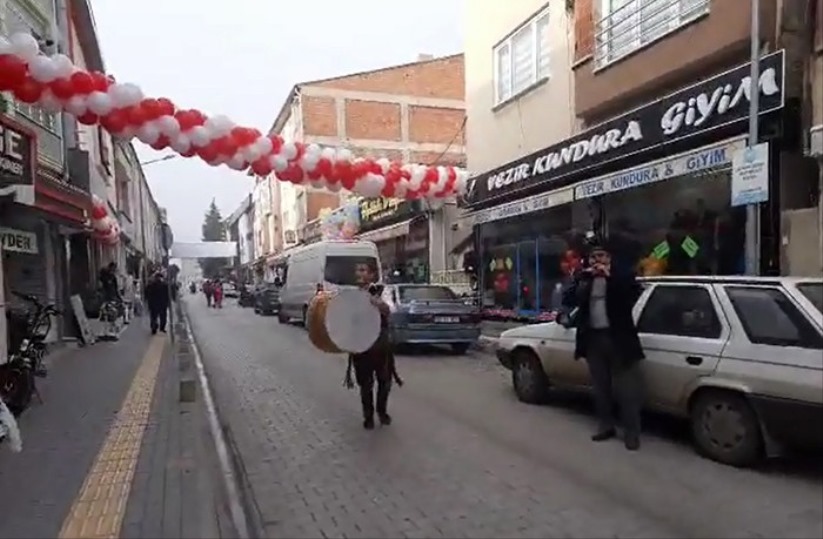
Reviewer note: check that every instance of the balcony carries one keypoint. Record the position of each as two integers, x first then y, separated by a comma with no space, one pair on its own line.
48,128
646,48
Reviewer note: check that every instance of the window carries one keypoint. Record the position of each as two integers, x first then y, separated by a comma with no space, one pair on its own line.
628,25
683,311
522,59
426,293
769,317
340,270
813,293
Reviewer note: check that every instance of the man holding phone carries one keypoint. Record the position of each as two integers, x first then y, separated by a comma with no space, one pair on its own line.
607,339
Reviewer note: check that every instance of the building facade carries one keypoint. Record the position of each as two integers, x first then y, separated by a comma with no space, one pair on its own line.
240,226
661,88
815,89
414,112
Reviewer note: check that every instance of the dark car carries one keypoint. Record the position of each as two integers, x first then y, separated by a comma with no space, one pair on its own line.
267,299
431,314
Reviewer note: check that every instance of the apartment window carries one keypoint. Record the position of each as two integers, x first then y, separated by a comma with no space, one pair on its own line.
522,59
628,25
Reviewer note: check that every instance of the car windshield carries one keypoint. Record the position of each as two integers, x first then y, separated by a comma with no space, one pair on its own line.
426,293
342,270
813,293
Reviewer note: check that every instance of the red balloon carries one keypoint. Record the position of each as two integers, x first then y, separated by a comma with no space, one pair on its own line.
82,82
313,175
324,167
388,190
88,118
12,72
166,106
151,108
208,152
29,91
244,135
261,166
226,145
276,143
98,212
115,121
187,119
161,143
191,152
62,88
136,116
100,81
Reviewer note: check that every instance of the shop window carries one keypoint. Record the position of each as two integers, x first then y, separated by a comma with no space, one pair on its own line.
500,277
769,317
683,226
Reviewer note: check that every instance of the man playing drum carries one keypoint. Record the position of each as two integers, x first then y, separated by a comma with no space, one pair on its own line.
376,363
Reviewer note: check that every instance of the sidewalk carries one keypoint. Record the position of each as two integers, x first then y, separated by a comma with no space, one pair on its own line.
111,452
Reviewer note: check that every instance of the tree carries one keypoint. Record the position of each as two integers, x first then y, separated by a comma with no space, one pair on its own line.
213,230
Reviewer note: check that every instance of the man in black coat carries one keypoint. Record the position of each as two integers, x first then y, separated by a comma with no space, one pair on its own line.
157,299
607,339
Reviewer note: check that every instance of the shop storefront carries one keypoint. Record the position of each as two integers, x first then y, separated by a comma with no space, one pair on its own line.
655,181
400,230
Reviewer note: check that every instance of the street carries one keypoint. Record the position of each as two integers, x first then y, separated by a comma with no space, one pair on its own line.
463,458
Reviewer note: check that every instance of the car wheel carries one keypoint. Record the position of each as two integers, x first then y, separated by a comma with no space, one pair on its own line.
726,429
256,310
460,348
304,321
528,377
282,318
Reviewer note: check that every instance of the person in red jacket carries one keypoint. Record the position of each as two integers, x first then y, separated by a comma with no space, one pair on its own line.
218,294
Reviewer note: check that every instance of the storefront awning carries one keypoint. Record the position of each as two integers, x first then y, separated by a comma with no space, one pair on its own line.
387,232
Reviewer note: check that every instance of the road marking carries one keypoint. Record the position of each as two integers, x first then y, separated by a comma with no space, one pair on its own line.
98,509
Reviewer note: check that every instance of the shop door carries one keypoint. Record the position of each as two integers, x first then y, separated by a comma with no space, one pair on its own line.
528,303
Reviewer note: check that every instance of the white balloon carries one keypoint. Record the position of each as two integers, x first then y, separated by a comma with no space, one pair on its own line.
237,162
49,102
76,105
125,95
181,143
370,185
100,103
278,163
344,155
63,65
309,162
384,164
219,125
200,136
169,126
251,153
25,46
328,153
442,178
5,46
418,173
461,181
148,133
314,150
42,69
288,151
264,145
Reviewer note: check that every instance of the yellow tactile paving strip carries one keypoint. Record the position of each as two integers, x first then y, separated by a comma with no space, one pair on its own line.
98,509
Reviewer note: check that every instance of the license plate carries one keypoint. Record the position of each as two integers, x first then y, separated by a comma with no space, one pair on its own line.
447,319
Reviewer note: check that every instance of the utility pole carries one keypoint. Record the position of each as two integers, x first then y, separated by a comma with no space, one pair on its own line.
753,210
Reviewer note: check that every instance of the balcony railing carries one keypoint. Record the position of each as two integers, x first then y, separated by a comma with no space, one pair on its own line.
639,23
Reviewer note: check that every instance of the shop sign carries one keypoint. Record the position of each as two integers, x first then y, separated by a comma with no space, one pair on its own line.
750,175
17,154
717,155
521,207
18,241
716,102
375,212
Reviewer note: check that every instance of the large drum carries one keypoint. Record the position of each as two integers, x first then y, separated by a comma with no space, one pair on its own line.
344,321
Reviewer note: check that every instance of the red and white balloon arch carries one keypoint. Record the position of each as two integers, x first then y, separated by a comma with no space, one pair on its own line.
55,84
105,227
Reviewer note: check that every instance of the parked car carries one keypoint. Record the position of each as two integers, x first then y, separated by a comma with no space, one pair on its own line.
431,314
267,299
230,290
740,357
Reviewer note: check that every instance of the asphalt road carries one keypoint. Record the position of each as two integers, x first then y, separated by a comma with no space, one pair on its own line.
464,458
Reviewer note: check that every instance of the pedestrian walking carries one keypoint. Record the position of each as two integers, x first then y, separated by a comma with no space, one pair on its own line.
208,291
128,298
601,302
218,294
377,363
157,299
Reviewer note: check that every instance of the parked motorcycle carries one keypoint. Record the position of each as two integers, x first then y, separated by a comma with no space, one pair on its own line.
27,346
246,298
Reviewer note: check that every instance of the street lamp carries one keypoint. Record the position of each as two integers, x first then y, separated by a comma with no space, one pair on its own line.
164,158
753,210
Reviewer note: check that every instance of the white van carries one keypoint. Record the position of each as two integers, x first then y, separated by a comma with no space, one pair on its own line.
327,263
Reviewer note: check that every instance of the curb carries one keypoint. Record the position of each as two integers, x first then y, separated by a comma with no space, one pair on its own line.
231,481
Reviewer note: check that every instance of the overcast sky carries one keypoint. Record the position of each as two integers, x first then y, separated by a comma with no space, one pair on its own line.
241,57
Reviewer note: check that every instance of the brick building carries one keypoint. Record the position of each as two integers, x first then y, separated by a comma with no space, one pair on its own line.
414,112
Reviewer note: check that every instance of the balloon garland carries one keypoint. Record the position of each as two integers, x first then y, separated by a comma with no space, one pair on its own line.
105,227
55,84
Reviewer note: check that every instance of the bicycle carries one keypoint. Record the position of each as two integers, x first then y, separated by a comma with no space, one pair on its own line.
25,363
